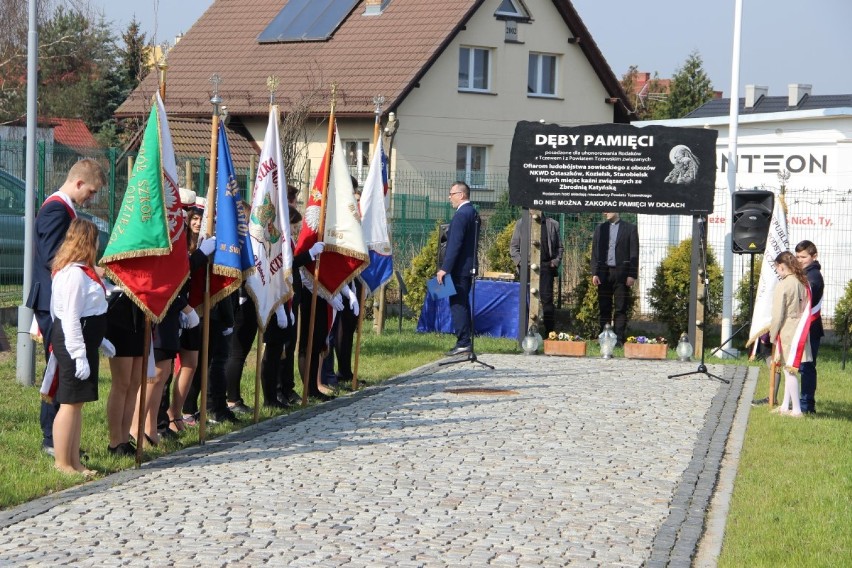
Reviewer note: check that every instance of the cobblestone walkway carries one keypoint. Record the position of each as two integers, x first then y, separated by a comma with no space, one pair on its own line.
578,461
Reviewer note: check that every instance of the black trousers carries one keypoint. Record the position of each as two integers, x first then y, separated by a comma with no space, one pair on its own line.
217,354
545,288
344,339
245,330
277,374
48,411
614,300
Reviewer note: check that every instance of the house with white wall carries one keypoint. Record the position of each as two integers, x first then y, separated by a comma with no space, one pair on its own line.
457,74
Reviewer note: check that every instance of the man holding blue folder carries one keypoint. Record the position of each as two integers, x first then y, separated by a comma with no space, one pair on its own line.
459,263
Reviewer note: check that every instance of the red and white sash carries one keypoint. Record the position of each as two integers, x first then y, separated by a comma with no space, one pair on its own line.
801,335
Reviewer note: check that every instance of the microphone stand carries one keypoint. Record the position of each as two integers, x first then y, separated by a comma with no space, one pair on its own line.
702,247
471,355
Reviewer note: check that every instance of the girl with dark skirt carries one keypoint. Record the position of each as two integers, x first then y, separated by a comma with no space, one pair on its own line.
79,306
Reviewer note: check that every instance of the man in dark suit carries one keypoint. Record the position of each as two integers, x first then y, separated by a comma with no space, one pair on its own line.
551,256
458,263
615,268
84,180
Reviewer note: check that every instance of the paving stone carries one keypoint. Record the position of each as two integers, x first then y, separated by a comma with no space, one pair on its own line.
579,466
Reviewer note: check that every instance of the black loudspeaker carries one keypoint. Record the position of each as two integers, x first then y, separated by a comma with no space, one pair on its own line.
751,217
442,243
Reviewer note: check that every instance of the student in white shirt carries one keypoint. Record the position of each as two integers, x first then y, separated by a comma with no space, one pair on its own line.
78,306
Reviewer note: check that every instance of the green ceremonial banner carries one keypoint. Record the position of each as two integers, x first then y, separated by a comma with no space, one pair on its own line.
147,254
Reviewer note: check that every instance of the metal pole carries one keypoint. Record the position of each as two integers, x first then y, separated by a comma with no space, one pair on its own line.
26,357
728,264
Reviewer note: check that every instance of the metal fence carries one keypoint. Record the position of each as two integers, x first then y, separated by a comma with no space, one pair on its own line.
420,201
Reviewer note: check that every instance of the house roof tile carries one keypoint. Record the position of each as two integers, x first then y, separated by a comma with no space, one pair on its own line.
74,133
367,56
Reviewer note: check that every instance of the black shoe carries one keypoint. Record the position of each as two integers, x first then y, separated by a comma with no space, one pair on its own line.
125,449
293,398
221,416
276,405
168,433
240,407
760,402
458,350
321,397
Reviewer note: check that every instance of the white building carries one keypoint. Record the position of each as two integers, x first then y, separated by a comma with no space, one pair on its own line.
809,136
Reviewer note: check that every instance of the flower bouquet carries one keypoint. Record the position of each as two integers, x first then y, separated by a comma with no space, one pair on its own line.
565,344
641,347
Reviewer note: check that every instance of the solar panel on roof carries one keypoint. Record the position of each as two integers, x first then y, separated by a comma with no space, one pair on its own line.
307,20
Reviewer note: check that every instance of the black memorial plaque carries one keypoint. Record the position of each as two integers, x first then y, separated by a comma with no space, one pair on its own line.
613,167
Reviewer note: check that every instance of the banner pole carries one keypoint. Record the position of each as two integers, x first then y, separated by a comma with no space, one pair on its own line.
320,234
143,391
215,100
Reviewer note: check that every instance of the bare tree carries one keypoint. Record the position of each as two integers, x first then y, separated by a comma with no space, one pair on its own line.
294,126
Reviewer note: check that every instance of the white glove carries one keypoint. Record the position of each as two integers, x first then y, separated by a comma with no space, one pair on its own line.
108,348
228,331
281,316
316,250
207,246
190,319
353,301
83,370
337,303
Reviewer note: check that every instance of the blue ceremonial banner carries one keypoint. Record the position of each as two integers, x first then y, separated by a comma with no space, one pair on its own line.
374,223
233,256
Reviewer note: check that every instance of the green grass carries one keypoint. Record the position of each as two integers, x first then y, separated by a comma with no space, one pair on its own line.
27,473
792,502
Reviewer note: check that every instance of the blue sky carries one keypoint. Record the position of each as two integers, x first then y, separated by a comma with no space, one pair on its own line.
782,42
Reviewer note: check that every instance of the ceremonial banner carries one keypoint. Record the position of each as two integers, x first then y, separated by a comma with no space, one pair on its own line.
375,223
777,242
271,283
146,254
345,255
233,259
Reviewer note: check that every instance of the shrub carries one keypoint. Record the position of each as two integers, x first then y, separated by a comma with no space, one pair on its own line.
504,214
669,296
424,265
743,315
497,255
843,312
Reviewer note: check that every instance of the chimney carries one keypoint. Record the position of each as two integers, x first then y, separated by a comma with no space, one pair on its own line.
753,93
796,92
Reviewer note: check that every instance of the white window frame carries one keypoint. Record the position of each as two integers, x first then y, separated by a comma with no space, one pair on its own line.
536,66
470,63
517,13
468,175
362,158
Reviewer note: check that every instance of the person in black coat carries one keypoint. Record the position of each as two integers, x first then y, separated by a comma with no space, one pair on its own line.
277,377
84,180
806,254
615,268
459,263
551,257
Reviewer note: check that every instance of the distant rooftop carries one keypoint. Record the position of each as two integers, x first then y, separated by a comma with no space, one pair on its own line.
758,101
